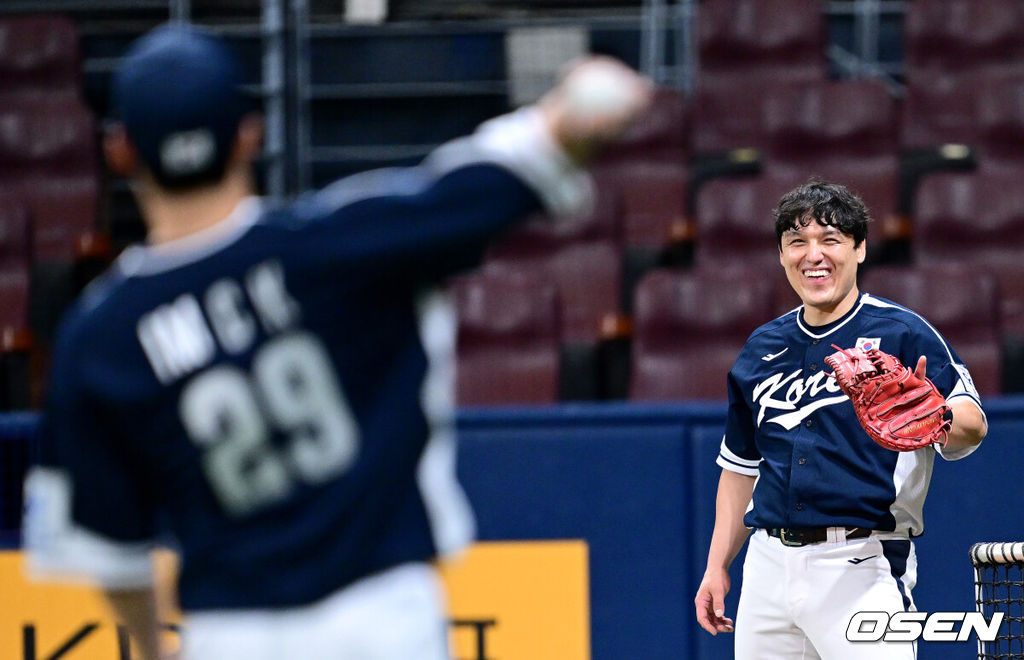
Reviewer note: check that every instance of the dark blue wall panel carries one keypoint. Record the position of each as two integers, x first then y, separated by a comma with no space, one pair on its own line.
620,482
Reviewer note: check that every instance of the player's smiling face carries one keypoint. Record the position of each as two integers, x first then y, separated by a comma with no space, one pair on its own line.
821,265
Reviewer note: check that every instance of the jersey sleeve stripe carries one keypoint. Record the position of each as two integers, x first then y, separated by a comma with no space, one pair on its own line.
730,455
736,467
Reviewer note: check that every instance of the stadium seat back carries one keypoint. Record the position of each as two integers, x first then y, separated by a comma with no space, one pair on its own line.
39,53
830,120
508,339
960,300
958,35
690,326
785,34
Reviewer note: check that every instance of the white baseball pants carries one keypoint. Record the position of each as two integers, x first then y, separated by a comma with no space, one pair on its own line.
796,602
396,615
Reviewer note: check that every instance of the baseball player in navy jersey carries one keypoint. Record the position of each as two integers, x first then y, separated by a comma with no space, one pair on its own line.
269,385
830,514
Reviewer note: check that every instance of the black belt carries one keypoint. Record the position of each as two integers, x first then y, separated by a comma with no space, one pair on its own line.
800,536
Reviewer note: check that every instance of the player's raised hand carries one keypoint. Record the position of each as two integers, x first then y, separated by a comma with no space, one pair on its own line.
710,602
597,99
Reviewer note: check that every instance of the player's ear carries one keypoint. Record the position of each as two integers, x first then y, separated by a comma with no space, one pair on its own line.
862,251
121,155
250,137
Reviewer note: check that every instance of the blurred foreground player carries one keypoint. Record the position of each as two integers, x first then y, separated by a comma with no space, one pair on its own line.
832,508
273,382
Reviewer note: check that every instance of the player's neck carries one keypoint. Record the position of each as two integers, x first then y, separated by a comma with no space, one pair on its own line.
173,216
825,314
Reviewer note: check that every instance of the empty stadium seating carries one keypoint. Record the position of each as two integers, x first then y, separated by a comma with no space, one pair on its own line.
508,339
744,40
39,54
649,170
15,263
746,49
844,132
16,341
583,257
49,161
939,109
689,326
957,36
963,59
960,300
979,219
1000,117
734,220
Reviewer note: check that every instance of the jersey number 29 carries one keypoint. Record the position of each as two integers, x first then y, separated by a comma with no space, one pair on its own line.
232,414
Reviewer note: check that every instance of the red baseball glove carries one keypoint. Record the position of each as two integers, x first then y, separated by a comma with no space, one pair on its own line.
898,409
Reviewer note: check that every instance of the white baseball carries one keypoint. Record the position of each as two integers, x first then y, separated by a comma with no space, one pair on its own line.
601,88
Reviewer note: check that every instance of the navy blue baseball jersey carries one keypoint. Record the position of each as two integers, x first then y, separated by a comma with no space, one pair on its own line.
275,391
791,426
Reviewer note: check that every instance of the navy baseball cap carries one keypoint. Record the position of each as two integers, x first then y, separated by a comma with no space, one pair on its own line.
177,92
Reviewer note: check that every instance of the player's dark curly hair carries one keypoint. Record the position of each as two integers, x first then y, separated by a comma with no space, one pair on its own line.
826,203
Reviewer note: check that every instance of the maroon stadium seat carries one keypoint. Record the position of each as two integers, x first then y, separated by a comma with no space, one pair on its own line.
953,36
49,158
816,121
746,48
960,300
649,171
983,109
508,339
689,327
747,39
724,119
979,219
939,109
582,256
39,55
15,263
654,200
17,343
587,275
734,222
1000,116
